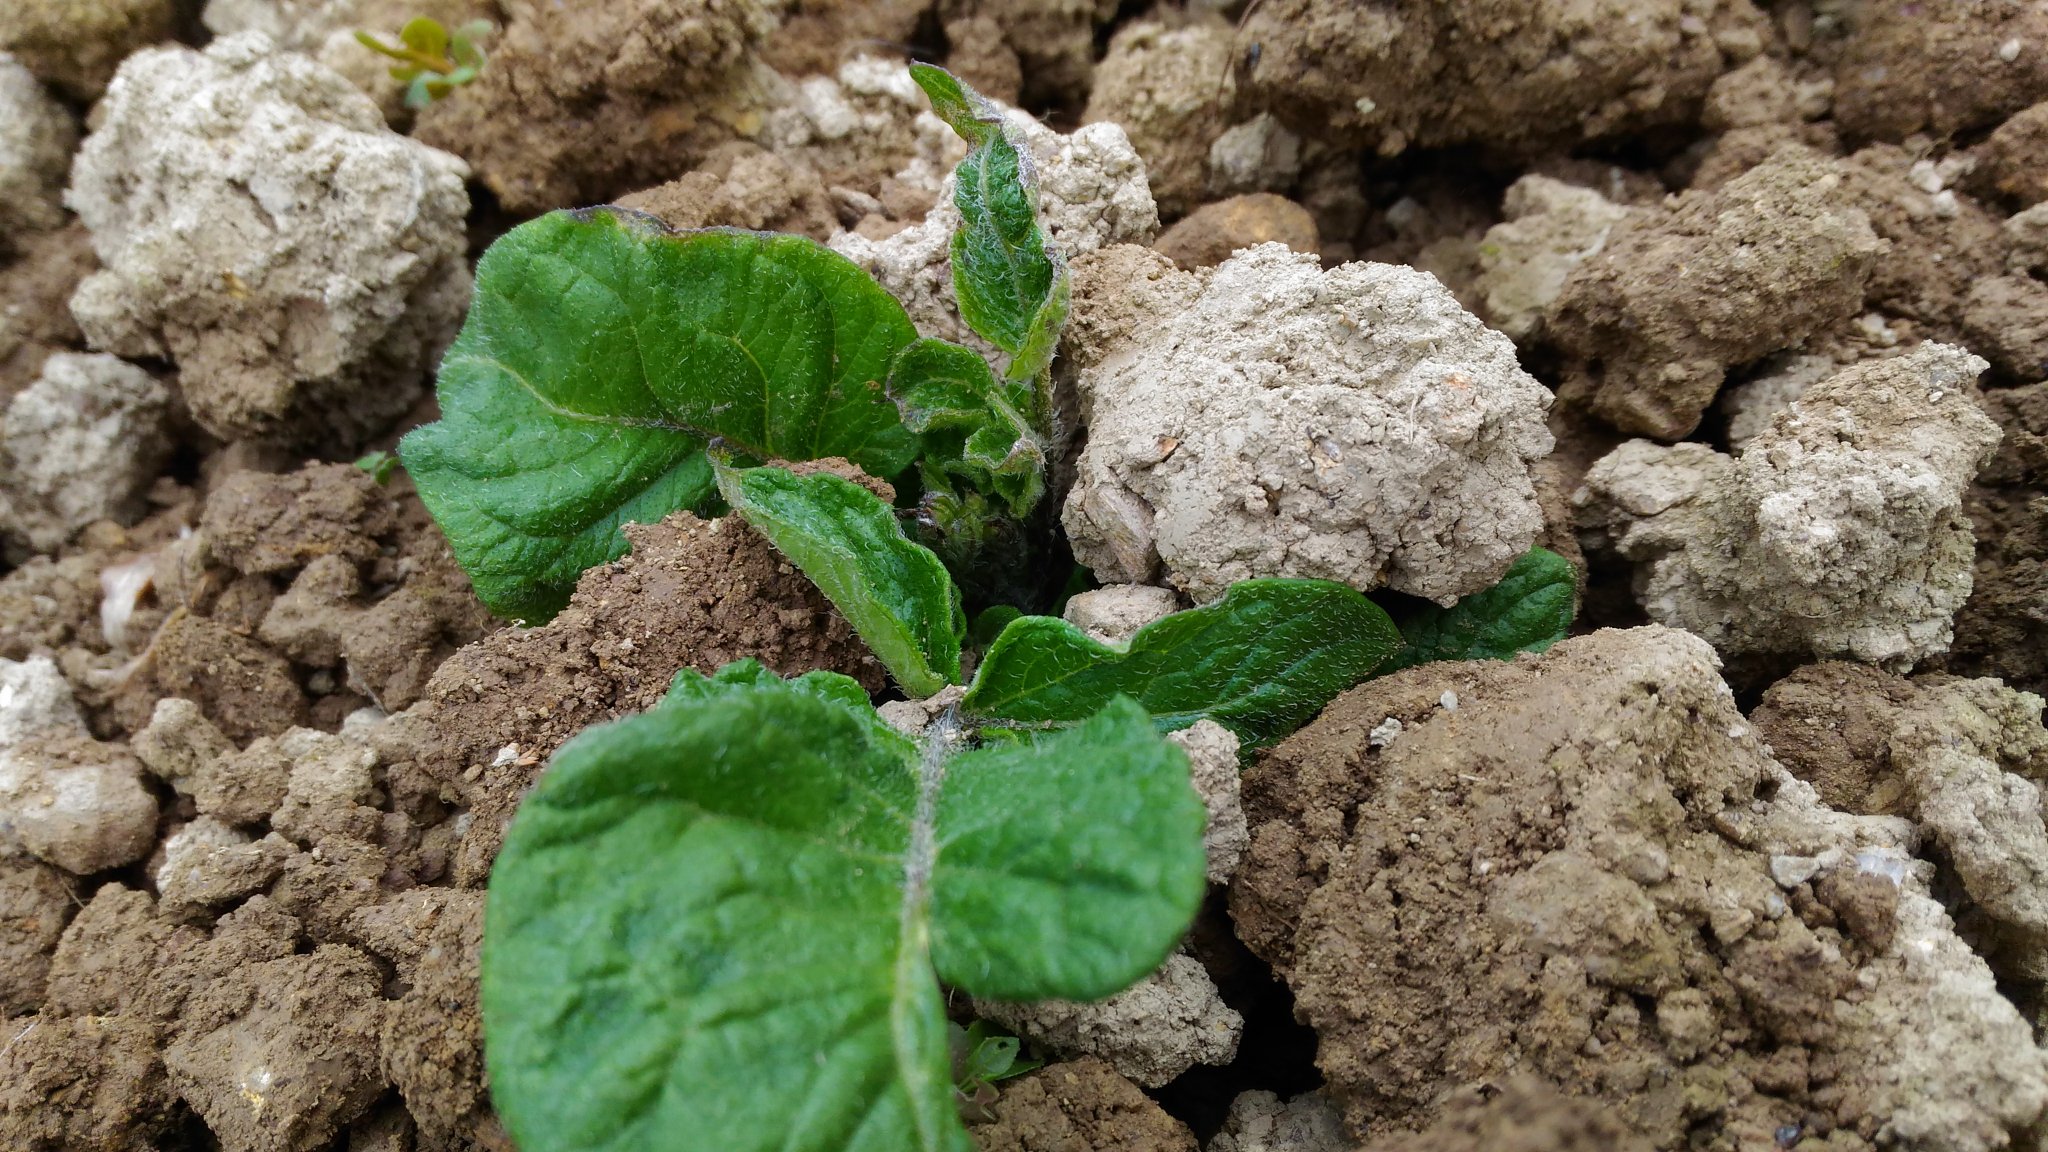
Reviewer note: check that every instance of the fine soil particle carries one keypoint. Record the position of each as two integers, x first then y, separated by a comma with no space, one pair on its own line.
1080,1106
692,594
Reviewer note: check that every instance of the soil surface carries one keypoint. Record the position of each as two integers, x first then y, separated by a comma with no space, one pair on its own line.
1741,305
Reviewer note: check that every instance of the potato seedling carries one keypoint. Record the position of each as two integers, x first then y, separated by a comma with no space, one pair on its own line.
726,923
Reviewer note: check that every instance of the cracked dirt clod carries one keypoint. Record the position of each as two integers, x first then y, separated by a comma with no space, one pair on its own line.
1207,236
1839,530
1519,77
1261,1122
581,103
1679,294
81,444
1159,81
691,594
1212,757
1268,418
1960,757
261,226
1572,876
1551,227
36,139
1079,1104
1524,1114
1939,67
1151,1032
65,798
75,45
35,905
278,1056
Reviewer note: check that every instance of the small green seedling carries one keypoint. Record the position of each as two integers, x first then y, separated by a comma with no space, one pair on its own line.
380,465
432,61
982,1058
726,923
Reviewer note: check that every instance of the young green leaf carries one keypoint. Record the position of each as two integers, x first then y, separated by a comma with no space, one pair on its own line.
602,352
720,925
1529,610
1010,285
1261,661
973,425
896,594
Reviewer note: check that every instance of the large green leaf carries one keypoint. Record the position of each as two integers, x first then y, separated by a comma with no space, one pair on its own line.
1010,285
896,594
1528,611
719,926
600,355
1261,661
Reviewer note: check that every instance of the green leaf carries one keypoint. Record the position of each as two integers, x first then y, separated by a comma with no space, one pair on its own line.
1262,661
379,464
719,925
972,423
425,36
1008,284
691,686
602,352
1528,611
896,594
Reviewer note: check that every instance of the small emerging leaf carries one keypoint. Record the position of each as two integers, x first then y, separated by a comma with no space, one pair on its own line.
1261,661
1008,283
719,926
1528,611
896,594
425,36
602,352
973,426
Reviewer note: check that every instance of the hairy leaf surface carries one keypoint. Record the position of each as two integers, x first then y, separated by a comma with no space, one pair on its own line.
1010,286
719,925
1261,661
603,352
1528,611
895,593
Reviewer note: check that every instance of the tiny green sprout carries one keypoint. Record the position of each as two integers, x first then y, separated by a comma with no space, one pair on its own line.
432,61
982,1057
380,465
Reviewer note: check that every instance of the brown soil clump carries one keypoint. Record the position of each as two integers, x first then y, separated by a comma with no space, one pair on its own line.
1940,67
1582,866
583,102
35,303
1522,1115
1212,232
1081,1106
692,594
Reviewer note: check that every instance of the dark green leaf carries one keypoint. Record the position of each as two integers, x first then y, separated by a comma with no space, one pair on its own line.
602,352
716,927
1261,661
1005,278
896,594
990,624
1529,610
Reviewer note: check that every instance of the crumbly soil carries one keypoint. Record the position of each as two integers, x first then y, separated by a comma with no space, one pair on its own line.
1629,895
